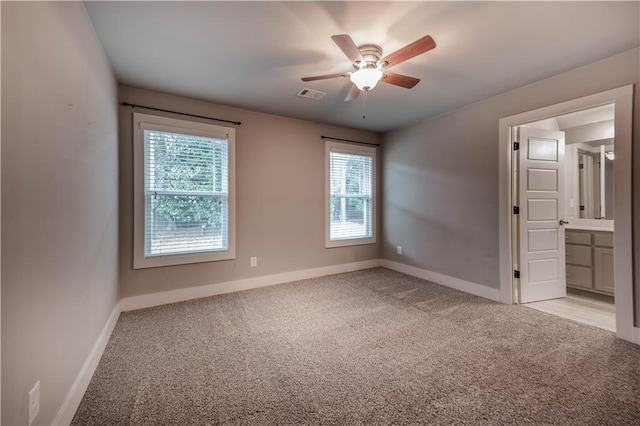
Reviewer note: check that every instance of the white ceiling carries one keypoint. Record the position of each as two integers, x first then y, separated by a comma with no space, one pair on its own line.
253,54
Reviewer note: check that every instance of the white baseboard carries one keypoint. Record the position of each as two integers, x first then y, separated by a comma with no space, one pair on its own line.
173,296
445,280
74,397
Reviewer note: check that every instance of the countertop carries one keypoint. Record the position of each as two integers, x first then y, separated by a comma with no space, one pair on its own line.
590,225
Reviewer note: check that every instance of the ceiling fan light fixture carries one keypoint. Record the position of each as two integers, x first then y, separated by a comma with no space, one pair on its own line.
370,67
366,78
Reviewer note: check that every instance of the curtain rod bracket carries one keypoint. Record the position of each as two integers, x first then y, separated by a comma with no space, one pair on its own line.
237,123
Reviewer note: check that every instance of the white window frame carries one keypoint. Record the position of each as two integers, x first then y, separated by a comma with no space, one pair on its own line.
331,146
174,125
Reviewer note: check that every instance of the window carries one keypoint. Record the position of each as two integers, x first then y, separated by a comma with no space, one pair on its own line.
350,195
184,193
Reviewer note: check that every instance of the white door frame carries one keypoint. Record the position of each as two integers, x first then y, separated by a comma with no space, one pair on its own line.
623,240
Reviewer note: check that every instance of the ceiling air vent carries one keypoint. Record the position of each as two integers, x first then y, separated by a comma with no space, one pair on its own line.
311,94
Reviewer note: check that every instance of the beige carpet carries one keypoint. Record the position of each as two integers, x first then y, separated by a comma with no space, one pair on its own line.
374,347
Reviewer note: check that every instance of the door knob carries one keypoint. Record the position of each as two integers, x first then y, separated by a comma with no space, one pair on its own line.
563,222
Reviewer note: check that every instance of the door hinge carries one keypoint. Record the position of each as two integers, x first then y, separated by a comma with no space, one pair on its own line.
516,210
516,146
516,274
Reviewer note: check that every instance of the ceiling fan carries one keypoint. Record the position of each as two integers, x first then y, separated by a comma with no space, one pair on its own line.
371,67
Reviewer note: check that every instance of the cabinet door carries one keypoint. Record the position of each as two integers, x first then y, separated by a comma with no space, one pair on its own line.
603,269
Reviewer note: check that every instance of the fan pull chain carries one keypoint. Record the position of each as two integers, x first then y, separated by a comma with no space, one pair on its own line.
364,105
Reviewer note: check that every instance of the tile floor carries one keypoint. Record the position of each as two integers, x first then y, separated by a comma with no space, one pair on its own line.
595,310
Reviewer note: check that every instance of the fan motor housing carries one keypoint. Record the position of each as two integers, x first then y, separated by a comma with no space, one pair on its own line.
371,53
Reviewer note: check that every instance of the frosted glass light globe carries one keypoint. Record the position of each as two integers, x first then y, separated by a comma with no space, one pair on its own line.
366,78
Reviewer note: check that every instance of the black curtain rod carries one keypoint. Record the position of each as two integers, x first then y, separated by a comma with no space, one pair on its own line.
350,141
237,123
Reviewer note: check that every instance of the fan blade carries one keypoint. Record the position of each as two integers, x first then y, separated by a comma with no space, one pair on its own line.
353,93
416,48
400,80
346,44
324,77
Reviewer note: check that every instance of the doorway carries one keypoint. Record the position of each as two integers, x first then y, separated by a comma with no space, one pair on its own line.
621,241
566,261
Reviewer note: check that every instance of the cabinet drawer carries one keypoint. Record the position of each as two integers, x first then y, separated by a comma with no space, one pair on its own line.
603,239
579,276
578,255
574,237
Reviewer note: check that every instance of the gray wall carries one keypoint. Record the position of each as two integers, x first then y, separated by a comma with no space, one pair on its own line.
280,197
441,175
59,201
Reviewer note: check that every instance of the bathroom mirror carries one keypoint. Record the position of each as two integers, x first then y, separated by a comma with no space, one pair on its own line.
595,179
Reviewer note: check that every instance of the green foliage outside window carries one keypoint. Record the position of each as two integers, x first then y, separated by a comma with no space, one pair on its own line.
184,211
188,164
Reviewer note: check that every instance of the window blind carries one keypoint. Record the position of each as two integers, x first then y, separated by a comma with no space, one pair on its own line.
186,181
350,198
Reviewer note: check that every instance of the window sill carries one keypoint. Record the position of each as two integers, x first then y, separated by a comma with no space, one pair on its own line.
182,259
350,242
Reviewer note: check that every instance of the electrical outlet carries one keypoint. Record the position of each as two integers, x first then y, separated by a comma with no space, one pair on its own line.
253,262
399,249
34,402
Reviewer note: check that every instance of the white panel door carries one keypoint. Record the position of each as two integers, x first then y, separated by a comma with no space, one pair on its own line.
541,198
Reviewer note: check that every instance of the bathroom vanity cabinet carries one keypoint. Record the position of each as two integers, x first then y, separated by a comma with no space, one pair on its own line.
590,260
